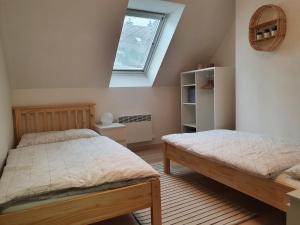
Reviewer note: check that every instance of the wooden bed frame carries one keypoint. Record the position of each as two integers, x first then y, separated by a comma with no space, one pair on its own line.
272,192
30,119
86,208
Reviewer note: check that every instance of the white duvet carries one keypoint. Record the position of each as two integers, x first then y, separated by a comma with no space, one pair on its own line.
81,163
256,154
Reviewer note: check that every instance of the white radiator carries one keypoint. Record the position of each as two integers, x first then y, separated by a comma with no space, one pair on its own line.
138,128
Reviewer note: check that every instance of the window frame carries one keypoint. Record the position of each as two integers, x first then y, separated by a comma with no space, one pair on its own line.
150,15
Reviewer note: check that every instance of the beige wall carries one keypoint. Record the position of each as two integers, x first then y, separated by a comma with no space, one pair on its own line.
72,43
163,102
268,84
60,43
225,54
6,127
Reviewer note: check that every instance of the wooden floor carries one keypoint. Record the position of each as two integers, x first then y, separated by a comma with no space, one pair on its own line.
267,215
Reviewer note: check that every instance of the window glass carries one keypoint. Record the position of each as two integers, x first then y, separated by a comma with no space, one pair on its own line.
137,41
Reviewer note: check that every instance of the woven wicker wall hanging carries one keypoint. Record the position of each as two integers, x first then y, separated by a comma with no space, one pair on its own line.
267,28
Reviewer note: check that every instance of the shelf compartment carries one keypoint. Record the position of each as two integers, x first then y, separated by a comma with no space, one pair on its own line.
266,24
187,79
266,39
188,94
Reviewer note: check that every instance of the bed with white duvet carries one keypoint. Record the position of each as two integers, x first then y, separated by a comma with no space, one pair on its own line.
58,164
259,155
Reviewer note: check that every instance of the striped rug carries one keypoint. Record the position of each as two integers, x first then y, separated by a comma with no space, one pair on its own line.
185,201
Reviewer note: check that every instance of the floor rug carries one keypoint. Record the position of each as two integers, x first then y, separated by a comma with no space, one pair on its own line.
186,202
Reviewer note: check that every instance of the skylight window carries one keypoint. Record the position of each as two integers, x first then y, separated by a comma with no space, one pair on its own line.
145,37
139,37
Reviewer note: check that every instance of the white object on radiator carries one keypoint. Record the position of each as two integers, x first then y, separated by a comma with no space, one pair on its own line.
107,118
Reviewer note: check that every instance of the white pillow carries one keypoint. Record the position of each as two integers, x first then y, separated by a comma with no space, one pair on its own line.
294,172
55,136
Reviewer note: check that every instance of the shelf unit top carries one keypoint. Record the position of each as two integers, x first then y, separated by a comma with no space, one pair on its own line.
189,103
200,70
189,85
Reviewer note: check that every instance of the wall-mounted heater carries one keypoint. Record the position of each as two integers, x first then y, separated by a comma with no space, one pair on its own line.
138,128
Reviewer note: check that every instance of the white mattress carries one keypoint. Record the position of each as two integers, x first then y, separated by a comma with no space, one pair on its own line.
255,154
34,171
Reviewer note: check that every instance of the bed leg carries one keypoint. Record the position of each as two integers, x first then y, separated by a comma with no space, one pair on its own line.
167,169
156,203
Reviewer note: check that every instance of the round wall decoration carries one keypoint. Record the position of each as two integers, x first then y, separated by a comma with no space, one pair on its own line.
267,28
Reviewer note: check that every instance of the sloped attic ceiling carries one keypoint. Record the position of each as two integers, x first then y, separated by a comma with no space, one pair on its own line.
72,43
203,26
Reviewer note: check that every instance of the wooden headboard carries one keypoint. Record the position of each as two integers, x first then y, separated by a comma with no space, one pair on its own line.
31,119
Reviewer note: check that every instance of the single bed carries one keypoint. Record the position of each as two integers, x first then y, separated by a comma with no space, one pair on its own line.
81,200
250,163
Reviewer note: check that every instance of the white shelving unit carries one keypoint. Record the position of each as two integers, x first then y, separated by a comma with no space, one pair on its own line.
207,109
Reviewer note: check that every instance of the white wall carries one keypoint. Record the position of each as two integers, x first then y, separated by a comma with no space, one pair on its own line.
225,54
72,43
60,43
163,102
6,125
268,84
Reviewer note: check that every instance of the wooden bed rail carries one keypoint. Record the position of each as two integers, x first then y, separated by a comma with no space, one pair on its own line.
293,216
93,207
266,190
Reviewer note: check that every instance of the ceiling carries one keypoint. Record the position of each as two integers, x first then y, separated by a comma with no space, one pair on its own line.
72,43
